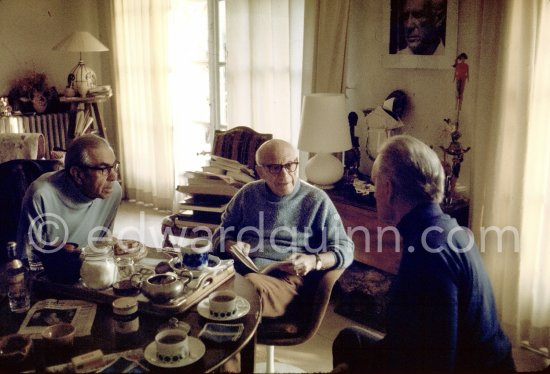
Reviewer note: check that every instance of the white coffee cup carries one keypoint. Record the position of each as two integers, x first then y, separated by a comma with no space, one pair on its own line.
195,254
172,345
223,304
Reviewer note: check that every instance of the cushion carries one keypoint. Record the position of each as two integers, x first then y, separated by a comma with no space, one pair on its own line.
27,146
57,155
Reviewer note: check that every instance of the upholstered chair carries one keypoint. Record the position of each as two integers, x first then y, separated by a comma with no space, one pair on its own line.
301,322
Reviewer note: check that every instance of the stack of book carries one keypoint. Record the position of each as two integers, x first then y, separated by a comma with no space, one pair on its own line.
208,192
231,168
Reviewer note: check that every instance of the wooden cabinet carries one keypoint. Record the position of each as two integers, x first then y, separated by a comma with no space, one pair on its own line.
376,245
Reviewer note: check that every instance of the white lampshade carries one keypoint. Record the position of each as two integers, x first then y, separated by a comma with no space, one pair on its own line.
81,41
324,131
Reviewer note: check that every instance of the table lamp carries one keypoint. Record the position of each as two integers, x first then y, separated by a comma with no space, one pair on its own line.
81,41
324,131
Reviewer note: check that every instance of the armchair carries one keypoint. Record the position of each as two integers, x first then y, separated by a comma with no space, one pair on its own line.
299,326
239,143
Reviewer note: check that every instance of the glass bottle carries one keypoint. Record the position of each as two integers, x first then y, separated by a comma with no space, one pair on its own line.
18,292
35,264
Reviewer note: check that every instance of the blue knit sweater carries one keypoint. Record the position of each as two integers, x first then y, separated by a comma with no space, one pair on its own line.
304,221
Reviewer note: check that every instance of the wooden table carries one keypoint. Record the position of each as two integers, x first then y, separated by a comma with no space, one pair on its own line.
103,336
83,112
375,244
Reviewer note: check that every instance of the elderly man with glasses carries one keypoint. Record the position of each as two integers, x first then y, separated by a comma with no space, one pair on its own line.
77,204
284,223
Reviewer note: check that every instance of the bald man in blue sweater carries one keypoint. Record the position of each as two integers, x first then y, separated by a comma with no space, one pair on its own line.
281,219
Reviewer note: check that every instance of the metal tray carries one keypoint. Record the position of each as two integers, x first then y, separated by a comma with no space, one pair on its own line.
195,291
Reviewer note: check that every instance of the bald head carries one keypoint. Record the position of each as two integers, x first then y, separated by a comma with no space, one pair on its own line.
272,149
275,158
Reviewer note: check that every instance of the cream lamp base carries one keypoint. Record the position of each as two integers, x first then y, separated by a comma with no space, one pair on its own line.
323,170
84,78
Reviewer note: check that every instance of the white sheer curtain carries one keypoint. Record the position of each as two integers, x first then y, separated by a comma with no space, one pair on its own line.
512,190
142,68
161,92
264,65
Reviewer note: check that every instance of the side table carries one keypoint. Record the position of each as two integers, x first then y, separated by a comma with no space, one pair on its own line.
375,245
83,113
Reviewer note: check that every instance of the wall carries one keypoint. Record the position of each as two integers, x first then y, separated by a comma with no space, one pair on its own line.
431,91
30,28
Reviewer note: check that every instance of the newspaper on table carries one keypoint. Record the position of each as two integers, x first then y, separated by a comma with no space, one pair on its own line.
48,312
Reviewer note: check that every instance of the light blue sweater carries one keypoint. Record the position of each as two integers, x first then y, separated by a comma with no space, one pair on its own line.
304,221
76,215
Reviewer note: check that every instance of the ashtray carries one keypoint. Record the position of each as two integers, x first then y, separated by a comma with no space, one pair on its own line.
14,348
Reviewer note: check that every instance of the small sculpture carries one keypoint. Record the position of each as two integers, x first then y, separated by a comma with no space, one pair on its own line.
352,157
452,170
461,75
69,90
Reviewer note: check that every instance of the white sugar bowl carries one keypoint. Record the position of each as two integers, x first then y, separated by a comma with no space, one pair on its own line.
98,269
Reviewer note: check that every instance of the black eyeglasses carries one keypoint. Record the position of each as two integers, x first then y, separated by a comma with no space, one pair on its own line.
104,169
277,168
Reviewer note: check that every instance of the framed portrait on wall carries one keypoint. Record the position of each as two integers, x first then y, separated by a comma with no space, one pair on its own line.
420,34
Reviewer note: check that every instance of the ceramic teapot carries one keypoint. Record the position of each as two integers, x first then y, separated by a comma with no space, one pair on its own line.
160,288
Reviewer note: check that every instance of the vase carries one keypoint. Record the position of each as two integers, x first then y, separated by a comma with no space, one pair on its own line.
39,102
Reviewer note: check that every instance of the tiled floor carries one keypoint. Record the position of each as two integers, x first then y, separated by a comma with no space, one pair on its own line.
142,223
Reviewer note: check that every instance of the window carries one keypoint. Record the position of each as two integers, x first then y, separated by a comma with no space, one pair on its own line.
201,83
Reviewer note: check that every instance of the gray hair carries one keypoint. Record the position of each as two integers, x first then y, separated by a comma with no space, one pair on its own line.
78,150
413,168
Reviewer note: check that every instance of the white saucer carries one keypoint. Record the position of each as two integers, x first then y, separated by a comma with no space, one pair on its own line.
243,307
196,351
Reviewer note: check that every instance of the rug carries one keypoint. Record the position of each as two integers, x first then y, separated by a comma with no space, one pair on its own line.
362,294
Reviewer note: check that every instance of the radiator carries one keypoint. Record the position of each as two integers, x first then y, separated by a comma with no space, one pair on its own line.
53,126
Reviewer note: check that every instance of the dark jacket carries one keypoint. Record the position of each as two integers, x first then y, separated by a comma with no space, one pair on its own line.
442,315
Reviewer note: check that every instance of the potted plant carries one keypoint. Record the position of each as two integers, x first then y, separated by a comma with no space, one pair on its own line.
31,93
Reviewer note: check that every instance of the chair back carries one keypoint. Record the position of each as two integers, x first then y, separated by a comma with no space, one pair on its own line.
239,143
305,314
15,177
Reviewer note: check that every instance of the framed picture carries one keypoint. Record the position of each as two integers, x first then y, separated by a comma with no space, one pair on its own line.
420,34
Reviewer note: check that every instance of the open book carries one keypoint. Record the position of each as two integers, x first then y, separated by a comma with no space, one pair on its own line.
239,255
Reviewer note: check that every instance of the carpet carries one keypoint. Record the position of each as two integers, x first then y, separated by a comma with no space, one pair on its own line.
362,294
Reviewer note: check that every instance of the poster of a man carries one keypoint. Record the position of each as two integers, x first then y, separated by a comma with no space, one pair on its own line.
418,27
